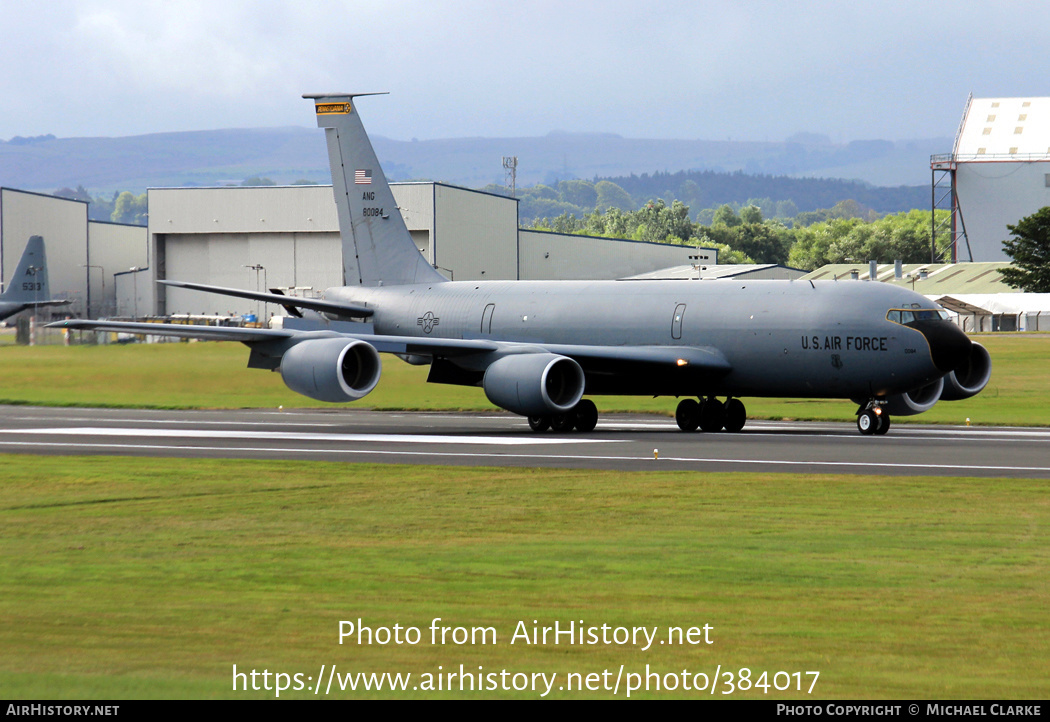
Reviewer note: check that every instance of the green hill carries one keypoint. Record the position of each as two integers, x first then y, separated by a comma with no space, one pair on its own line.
724,171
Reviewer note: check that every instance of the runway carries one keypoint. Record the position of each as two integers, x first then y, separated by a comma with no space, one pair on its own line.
624,442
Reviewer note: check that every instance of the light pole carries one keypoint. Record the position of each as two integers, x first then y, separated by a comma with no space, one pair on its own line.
135,286
258,267
32,271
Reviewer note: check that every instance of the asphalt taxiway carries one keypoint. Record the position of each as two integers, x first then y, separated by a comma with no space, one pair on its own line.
624,442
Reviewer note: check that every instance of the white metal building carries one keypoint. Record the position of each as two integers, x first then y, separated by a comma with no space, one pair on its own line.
700,271
997,173
288,237
555,256
82,255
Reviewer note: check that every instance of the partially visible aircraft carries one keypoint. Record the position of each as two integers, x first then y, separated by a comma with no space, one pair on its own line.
28,286
537,347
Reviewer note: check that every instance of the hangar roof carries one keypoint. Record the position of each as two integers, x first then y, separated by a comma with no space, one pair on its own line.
740,270
1004,129
987,304
941,278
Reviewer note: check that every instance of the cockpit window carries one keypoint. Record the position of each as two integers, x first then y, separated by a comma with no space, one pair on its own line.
907,315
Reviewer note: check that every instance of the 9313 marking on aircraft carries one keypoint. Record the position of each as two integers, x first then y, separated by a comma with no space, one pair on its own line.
28,287
538,347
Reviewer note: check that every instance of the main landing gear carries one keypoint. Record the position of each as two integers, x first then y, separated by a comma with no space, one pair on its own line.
710,415
872,419
583,417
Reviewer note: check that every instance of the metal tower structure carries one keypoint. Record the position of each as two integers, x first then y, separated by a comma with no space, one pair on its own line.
943,197
510,166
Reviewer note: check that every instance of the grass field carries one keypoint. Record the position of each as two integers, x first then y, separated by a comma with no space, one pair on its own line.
149,578
213,375
127,578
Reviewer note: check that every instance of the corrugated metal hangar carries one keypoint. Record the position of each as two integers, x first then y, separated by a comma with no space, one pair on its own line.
82,255
997,173
288,238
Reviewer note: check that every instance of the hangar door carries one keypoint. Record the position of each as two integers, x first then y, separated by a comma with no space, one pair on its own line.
252,261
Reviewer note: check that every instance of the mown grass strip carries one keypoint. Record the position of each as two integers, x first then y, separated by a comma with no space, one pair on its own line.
151,577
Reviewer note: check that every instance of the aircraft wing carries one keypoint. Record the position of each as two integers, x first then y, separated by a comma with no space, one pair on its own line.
592,358
180,330
597,358
385,344
290,303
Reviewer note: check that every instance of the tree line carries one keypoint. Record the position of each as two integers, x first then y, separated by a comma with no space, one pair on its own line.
794,200
126,207
846,233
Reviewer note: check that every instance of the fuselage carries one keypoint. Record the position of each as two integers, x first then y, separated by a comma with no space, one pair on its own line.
781,338
8,309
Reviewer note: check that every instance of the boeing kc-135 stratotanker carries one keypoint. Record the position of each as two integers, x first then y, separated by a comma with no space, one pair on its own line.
538,347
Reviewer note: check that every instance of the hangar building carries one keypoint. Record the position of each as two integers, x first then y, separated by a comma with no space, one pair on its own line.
82,255
997,173
288,237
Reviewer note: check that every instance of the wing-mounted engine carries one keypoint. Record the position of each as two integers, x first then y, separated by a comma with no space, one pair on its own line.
916,401
331,369
970,378
534,384
965,381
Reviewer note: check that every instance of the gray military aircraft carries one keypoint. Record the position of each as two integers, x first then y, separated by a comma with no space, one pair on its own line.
28,287
537,347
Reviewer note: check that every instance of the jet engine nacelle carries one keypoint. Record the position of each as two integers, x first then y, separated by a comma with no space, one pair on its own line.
331,369
971,377
534,384
916,401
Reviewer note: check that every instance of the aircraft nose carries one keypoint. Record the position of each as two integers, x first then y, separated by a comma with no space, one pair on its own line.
949,346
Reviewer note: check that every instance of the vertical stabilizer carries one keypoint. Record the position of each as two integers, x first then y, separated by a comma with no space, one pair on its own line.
377,248
29,282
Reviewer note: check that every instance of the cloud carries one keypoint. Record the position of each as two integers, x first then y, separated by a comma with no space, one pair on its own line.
759,70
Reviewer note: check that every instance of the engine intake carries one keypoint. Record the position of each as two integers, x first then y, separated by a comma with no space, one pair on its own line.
916,401
534,384
970,378
332,369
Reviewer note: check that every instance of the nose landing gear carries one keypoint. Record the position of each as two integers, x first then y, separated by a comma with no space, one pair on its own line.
872,419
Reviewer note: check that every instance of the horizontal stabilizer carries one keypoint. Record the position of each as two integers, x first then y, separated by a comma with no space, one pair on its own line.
51,302
344,310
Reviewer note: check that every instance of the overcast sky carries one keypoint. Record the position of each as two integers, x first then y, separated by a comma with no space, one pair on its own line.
700,70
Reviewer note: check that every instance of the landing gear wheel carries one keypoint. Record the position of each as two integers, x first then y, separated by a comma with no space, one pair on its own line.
884,424
712,415
586,416
539,424
687,415
563,422
868,422
736,415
